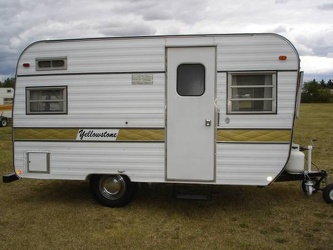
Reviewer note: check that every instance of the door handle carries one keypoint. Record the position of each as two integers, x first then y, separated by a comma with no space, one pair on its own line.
208,123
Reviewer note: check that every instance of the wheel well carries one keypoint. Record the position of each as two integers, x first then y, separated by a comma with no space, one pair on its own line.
88,177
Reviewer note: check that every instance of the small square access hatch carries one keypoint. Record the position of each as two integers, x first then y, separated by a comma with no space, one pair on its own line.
38,162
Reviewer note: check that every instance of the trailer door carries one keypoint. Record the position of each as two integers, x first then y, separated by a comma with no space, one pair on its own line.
190,122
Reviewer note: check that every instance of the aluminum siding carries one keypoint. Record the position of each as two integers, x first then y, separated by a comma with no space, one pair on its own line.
95,56
249,164
257,52
75,161
97,101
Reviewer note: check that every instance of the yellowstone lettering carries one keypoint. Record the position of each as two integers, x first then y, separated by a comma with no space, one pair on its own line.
97,134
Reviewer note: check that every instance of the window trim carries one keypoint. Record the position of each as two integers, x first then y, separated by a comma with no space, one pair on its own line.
28,101
51,59
274,99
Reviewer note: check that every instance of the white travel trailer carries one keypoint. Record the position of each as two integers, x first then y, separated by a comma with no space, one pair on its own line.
196,109
6,104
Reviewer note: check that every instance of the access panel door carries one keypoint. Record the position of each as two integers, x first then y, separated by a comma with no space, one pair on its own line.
190,122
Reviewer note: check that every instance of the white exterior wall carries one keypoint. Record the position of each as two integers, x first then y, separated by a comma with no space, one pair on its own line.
97,56
249,164
6,113
97,101
239,53
143,162
6,93
106,98
234,53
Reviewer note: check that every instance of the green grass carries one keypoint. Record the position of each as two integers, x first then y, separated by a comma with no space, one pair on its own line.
37,214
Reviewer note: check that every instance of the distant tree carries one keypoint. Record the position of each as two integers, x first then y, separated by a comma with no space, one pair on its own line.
310,91
323,84
316,92
330,84
325,95
8,83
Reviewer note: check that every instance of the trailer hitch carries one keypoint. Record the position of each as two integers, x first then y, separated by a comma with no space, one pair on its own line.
312,181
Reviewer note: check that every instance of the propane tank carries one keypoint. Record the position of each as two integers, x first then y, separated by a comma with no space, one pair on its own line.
295,164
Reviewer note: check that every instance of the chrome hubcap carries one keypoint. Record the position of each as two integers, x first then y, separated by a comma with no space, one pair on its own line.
112,186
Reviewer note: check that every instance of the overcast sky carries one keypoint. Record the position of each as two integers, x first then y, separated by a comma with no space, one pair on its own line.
308,24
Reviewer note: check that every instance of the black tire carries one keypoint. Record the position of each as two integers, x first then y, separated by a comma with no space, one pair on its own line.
112,190
328,193
3,122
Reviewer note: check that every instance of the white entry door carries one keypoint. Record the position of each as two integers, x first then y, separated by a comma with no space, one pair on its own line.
191,80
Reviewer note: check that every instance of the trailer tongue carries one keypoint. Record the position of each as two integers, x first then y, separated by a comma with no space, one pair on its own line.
312,181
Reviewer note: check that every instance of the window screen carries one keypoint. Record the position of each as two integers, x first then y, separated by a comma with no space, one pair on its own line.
46,100
51,63
252,93
191,79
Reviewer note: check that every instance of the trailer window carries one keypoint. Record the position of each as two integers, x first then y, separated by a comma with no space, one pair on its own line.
191,79
7,101
46,100
51,63
252,93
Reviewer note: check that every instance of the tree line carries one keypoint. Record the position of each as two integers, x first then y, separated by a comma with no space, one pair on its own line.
313,91
8,83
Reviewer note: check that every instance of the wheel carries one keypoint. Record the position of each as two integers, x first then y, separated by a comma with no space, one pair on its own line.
112,190
328,193
3,122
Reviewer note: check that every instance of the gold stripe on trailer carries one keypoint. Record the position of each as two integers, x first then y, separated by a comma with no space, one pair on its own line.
140,135
71,134
22,134
6,107
249,135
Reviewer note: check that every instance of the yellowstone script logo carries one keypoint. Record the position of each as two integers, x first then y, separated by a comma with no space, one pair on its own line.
97,134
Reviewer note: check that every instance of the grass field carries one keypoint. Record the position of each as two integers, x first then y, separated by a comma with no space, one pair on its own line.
38,214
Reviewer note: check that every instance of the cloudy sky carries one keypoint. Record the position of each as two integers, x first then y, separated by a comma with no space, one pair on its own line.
307,24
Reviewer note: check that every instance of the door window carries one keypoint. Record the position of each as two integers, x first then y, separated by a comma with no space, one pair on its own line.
191,79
